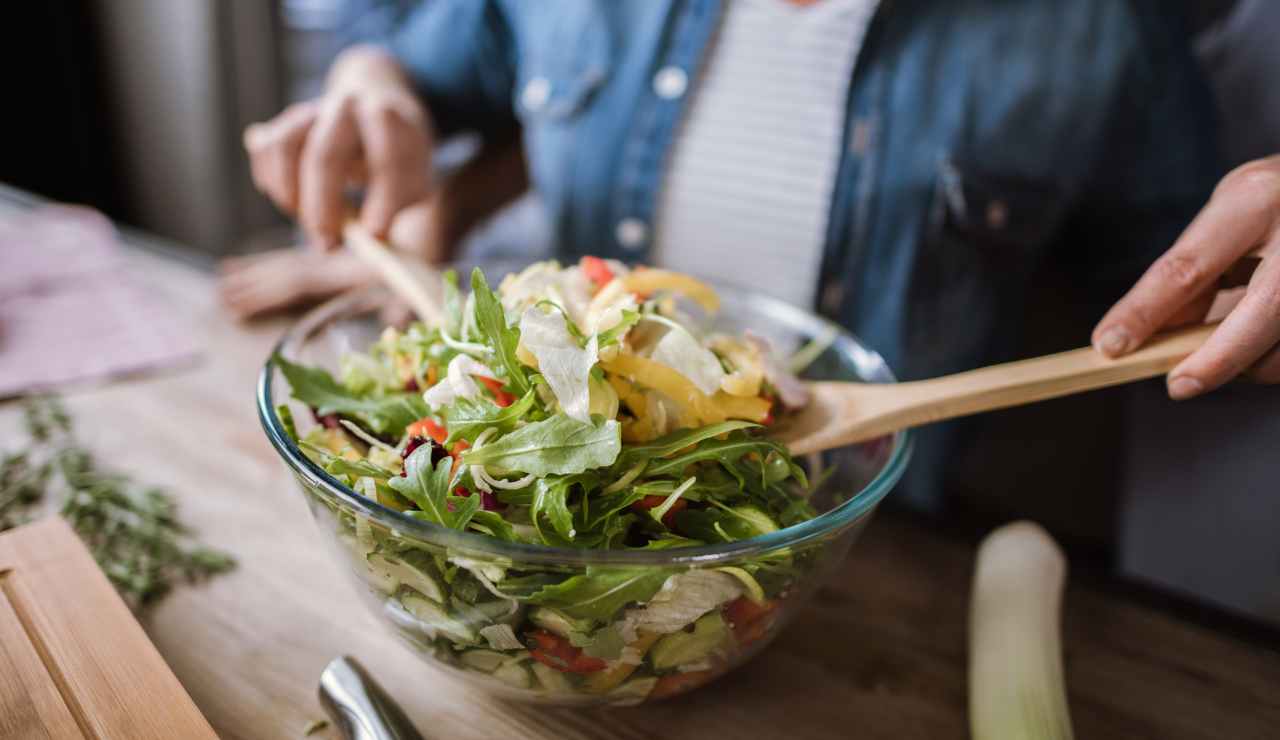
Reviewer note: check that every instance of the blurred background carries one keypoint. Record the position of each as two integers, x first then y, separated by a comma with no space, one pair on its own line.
137,107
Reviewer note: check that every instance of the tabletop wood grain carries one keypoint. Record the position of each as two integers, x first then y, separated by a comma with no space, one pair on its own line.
879,653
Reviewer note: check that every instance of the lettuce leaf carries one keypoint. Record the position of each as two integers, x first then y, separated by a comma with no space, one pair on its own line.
564,363
680,351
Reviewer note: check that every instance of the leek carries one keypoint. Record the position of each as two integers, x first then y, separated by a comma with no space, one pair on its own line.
1016,687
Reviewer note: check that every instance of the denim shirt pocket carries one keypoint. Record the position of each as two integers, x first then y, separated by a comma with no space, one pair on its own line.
986,232
564,58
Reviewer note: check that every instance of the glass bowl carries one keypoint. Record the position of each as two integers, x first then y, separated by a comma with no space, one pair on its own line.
460,599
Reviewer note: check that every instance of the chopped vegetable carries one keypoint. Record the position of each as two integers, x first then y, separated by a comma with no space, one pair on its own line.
1016,688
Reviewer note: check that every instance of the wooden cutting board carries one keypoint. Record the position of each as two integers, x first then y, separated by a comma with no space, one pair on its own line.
73,661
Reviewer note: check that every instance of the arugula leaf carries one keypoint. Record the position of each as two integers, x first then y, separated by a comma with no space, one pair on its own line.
613,334
601,592
726,452
606,506
381,414
678,440
550,498
431,490
492,524
558,445
466,418
491,320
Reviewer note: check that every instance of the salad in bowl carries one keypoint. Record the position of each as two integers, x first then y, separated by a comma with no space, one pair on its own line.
565,488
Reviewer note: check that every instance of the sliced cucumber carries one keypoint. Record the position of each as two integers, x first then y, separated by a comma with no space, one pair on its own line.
550,678
556,622
678,648
487,661
390,572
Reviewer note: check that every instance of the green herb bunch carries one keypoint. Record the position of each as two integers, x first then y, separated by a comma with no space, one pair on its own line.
132,531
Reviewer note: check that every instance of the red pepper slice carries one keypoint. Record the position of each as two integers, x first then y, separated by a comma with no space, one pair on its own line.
428,427
596,270
748,619
556,652
678,683
500,397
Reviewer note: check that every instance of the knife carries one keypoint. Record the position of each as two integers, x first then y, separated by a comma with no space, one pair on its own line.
359,707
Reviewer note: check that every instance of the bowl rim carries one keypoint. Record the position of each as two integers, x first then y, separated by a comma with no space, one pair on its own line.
820,526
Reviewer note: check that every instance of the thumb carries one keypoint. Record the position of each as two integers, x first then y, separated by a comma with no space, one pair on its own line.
419,229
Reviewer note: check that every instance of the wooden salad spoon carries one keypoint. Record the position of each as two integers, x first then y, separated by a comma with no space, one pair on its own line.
411,279
842,413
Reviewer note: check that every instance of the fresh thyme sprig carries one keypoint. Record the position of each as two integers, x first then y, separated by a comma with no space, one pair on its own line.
132,531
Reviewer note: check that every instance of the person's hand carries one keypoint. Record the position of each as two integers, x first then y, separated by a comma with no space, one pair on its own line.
368,128
1243,215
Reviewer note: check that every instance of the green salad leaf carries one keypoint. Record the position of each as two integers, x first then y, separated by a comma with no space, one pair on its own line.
466,418
678,440
381,414
431,489
558,445
491,319
601,592
551,499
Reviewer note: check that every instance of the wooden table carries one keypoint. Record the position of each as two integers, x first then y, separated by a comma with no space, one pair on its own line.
880,653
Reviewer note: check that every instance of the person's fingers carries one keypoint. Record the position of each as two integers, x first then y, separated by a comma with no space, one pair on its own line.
1239,216
274,150
1193,312
397,157
327,157
1250,331
1268,368
416,230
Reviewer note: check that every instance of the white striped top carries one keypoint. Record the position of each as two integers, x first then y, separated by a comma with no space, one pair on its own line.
748,185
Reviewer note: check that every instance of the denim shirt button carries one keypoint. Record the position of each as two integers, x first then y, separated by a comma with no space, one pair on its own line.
631,233
536,93
670,83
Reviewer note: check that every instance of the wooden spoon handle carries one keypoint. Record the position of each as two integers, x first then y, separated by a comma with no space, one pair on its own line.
409,278
1040,378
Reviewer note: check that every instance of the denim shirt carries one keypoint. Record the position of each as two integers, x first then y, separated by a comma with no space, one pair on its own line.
986,143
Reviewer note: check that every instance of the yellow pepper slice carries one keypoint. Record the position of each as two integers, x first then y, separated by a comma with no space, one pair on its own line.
693,403
649,280
751,408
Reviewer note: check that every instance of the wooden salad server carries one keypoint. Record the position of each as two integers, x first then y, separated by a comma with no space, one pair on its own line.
411,279
841,413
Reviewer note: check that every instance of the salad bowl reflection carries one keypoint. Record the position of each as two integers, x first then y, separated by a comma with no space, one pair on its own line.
574,626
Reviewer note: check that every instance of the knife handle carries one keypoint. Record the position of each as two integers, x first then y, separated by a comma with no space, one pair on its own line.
359,707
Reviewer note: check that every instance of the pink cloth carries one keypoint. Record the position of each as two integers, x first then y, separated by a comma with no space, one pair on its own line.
70,309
